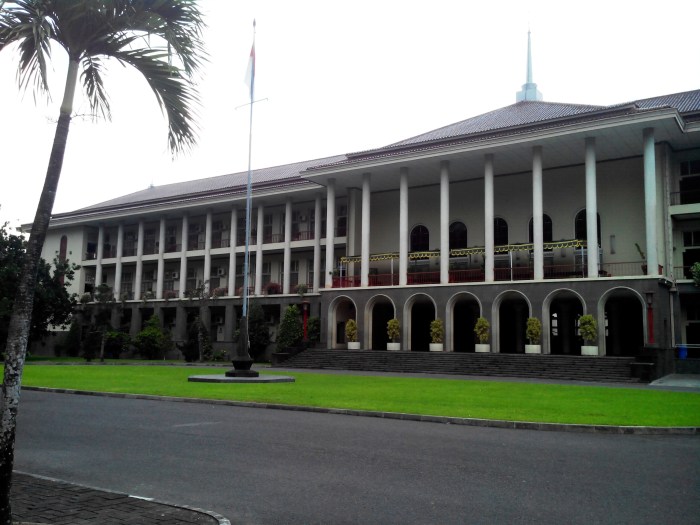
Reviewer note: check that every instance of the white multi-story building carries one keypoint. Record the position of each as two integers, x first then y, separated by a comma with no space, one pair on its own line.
537,209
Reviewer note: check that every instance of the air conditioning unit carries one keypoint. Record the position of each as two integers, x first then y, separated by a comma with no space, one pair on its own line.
175,275
221,271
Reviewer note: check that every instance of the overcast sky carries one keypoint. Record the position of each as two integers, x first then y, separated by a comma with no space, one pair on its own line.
342,77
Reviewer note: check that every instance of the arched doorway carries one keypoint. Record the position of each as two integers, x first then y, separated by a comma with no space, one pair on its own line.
381,310
513,311
465,312
623,323
341,309
565,308
421,311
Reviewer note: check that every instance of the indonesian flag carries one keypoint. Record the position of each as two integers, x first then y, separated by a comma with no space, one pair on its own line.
250,72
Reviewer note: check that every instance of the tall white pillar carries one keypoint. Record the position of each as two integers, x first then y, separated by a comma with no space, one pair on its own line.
488,219
364,255
351,230
259,250
591,209
100,254
650,201
138,278
287,263
232,253
161,259
444,222
207,253
403,227
117,290
183,255
537,213
330,232
317,244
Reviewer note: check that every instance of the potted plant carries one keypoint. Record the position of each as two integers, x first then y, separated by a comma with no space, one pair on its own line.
393,330
588,329
533,332
437,333
351,334
273,288
481,329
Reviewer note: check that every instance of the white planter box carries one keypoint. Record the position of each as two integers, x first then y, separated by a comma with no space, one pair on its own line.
354,345
483,348
393,346
533,349
436,347
589,350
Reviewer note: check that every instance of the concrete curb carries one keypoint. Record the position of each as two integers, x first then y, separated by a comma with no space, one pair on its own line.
221,519
494,423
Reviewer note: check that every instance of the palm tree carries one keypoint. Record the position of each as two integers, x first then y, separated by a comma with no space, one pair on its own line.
161,39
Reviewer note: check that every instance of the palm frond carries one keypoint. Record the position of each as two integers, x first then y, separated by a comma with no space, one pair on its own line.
94,86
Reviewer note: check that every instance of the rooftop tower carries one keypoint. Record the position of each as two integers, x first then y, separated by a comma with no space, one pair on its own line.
529,91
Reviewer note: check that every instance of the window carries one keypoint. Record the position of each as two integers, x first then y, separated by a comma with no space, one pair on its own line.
342,221
580,227
500,232
691,238
546,229
420,239
458,235
690,182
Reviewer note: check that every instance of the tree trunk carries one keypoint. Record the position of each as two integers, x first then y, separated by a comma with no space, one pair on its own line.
18,331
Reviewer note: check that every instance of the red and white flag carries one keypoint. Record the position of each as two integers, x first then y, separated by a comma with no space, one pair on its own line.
250,72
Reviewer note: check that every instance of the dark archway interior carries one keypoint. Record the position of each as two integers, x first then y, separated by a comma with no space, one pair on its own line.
464,317
513,315
625,326
421,315
381,313
563,315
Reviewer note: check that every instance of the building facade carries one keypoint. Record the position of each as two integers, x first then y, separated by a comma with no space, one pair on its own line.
536,209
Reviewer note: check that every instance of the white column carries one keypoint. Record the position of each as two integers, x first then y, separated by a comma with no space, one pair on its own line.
161,260
444,222
317,244
183,256
488,219
232,254
330,232
650,201
591,209
138,278
403,227
100,254
287,263
351,229
207,253
259,250
364,256
537,212
117,290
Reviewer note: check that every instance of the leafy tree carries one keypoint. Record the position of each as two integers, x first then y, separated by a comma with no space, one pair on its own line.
115,343
258,331
159,39
53,304
73,339
152,342
197,347
291,330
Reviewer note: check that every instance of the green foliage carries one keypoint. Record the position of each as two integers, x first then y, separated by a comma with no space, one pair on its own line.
73,339
291,330
258,331
588,328
481,329
116,342
53,304
695,272
313,329
152,342
437,331
198,343
393,330
351,331
533,332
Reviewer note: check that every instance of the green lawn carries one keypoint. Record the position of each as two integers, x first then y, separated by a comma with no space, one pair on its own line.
446,397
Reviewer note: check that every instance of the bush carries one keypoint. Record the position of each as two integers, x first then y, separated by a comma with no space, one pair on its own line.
73,340
152,342
291,330
481,329
116,342
588,328
437,331
313,329
197,336
258,332
351,331
533,331
91,345
393,330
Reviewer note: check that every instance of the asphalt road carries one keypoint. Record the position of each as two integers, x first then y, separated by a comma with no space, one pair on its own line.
270,467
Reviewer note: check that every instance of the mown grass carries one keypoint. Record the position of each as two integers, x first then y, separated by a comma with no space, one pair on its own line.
445,397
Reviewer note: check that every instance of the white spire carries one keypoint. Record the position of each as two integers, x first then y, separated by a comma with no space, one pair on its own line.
529,91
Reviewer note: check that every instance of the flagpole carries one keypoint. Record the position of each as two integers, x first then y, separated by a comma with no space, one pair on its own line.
242,361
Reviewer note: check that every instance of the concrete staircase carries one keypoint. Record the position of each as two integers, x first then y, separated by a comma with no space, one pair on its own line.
598,369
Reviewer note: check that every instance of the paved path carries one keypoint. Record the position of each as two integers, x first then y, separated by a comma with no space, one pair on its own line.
269,466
